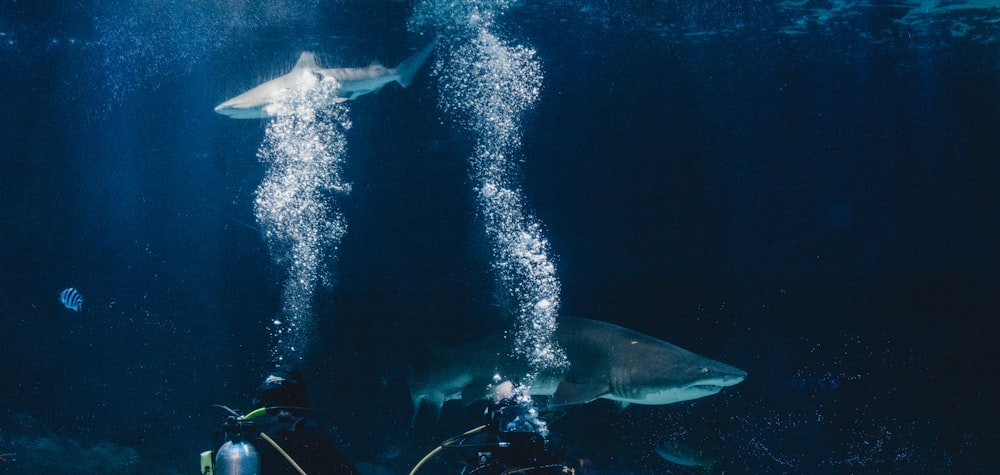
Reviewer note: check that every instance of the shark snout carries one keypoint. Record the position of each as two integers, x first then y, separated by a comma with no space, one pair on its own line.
733,376
723,375
736,378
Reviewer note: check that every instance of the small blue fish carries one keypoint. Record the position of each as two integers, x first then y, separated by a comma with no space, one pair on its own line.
71,299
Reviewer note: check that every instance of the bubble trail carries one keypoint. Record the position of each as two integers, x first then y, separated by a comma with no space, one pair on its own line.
487,84
296,203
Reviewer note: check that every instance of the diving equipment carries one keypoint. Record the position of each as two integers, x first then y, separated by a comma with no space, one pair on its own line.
237,458
511,441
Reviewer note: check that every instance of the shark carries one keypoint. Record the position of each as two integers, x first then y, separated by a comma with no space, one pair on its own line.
353,83
606,361
685,455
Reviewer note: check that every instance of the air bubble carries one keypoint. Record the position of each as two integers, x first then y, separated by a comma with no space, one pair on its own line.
486,84
296,204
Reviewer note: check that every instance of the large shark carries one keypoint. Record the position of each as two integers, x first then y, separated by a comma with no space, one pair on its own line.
605,361
353,83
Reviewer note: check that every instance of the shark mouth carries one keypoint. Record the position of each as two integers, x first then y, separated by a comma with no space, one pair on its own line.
712,388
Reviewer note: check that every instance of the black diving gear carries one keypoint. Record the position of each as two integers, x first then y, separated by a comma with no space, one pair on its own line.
515,443
511,442
284,435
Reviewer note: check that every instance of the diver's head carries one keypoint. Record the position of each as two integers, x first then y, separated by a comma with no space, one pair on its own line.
283,386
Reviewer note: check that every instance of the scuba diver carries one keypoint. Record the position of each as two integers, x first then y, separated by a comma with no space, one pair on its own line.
282,436
512,441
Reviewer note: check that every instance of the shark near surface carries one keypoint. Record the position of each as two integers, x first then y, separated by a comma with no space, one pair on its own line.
605,361
352,83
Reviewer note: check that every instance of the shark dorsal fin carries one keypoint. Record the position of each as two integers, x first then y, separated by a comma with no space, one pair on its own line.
307,60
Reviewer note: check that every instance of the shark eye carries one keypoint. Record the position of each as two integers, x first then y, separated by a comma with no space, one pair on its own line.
704,370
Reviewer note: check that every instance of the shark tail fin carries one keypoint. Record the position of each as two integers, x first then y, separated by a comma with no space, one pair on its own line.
409,67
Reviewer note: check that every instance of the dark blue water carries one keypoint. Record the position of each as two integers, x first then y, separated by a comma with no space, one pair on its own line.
807,192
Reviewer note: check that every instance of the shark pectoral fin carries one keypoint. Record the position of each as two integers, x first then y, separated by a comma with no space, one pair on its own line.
435,404
436,409
420,392
572,393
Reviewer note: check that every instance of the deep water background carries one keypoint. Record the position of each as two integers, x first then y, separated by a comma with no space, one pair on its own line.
819,209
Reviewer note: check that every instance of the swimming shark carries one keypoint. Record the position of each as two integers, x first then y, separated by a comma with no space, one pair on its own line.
606,361
685,455
353,83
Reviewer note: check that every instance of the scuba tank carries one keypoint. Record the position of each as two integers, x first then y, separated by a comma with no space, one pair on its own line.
237,458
